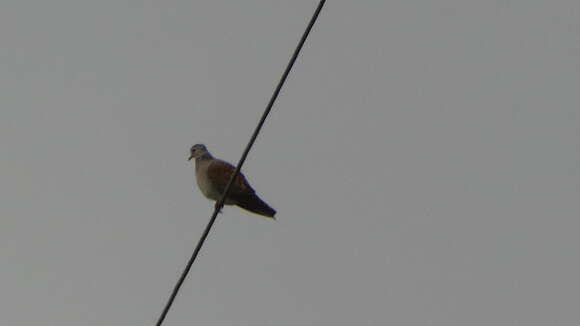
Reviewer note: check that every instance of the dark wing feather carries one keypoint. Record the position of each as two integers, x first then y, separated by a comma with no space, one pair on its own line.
220,172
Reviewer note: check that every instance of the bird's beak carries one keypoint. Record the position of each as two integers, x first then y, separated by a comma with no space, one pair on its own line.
190,157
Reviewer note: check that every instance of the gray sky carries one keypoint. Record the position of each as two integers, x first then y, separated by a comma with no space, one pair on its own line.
423,158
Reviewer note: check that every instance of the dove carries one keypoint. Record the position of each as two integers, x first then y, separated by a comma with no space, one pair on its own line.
212,176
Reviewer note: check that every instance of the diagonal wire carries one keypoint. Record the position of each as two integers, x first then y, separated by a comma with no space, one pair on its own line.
220,203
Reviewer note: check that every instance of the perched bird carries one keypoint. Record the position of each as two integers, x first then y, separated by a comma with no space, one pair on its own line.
212,177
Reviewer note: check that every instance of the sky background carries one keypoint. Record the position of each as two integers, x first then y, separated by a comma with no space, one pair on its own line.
423,158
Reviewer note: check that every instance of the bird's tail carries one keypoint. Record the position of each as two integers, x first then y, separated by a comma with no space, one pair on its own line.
254,204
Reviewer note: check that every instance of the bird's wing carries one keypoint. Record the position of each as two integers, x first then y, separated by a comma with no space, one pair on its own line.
220,172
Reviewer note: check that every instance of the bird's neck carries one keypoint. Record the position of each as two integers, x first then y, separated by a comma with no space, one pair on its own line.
202,161
206,156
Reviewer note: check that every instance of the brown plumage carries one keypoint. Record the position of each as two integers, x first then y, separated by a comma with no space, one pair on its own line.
212,177
241,193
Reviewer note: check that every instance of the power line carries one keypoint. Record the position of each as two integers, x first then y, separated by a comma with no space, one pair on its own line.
220,203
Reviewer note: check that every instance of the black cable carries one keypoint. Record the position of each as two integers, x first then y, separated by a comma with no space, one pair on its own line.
220,203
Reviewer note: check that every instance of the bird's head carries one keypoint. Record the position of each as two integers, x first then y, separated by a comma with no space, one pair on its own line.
196,151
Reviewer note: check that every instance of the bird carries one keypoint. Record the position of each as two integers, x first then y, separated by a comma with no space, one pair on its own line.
212,176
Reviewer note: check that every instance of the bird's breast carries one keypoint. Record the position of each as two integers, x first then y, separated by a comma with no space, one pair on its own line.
204,183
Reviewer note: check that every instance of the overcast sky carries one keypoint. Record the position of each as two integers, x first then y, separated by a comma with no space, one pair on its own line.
423,158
